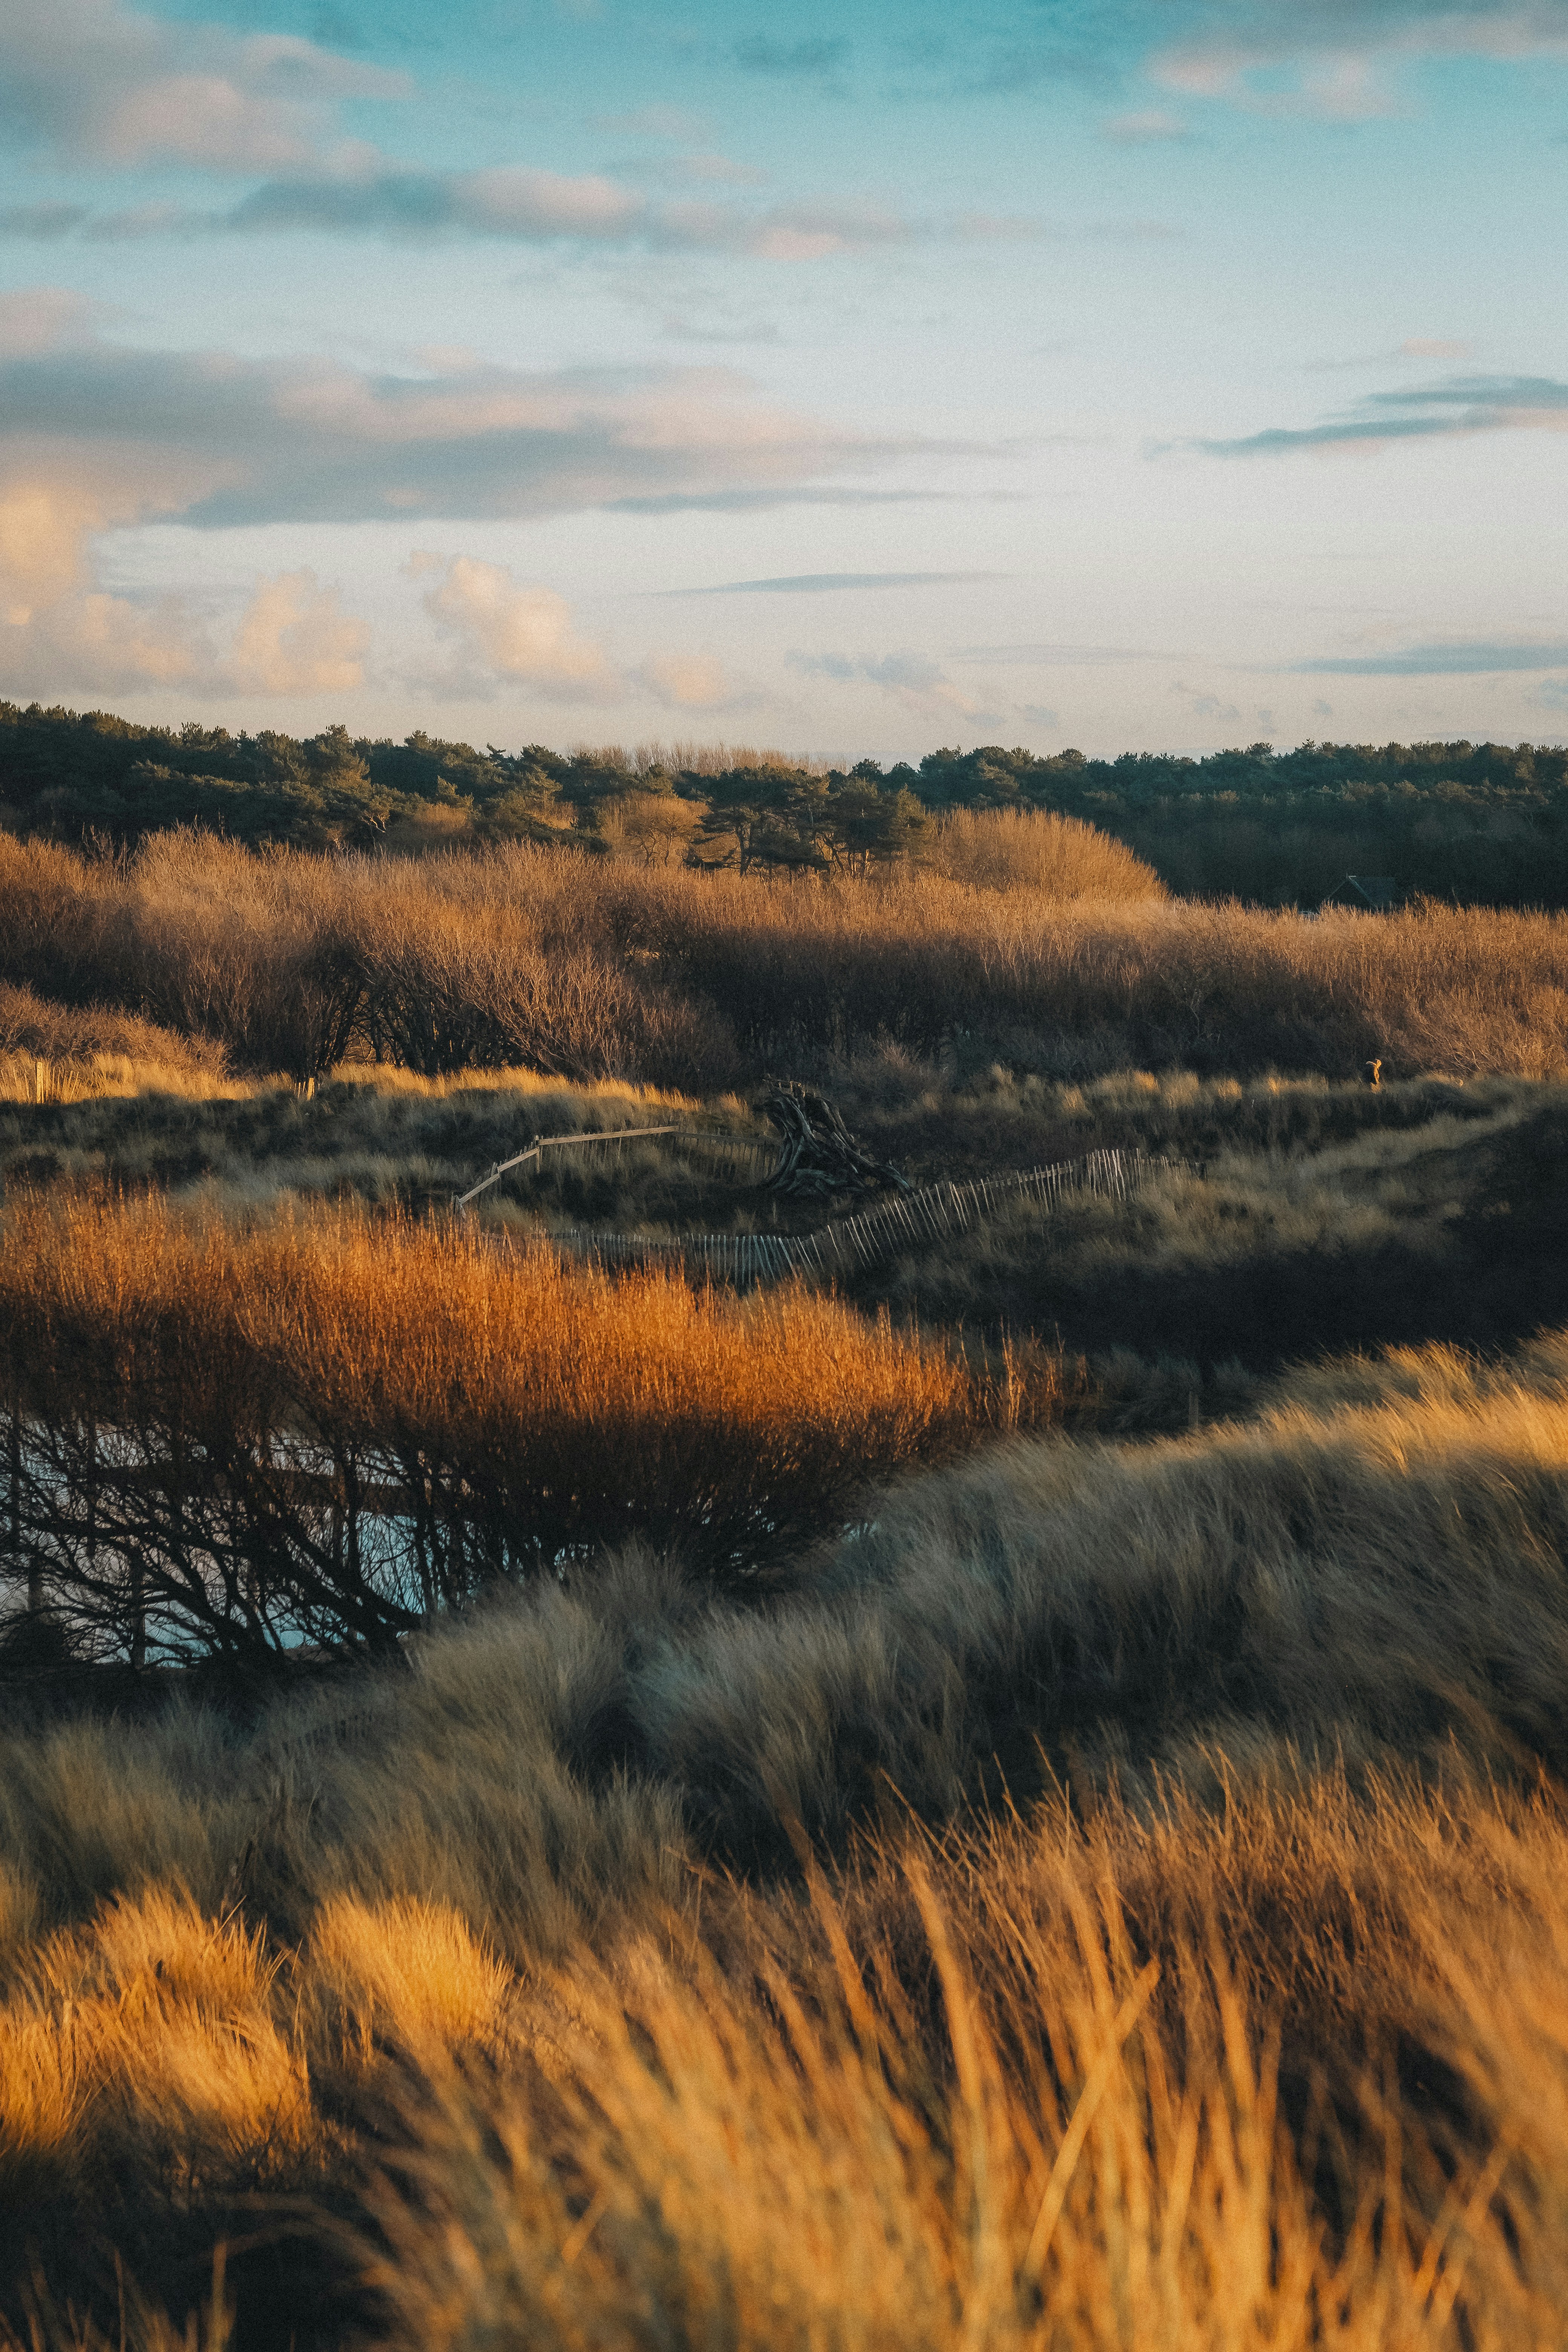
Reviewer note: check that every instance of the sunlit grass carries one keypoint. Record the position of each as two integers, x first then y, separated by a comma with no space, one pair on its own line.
1055,2084
535,1405
693,982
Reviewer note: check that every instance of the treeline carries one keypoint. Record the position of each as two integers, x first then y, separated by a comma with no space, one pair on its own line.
1478,824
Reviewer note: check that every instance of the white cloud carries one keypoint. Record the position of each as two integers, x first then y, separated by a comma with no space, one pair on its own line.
686,681
531,206
59,633
293,638
1461,406
84,641
1203,705
36,318
46,518
95,438
113,435
96,79
516,203
364,195
522,634
1329,57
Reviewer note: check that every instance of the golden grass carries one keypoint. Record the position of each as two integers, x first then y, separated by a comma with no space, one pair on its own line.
389,1079
152,2039
1028,2086
538,1406
1239,2021
408,1971
56,1053
601,968
30,1079
1056,857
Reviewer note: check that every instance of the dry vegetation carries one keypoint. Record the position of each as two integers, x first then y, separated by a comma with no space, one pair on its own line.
1302,1220
326,1426
1247,2024
546,1810
595,968
52,1052
1017,849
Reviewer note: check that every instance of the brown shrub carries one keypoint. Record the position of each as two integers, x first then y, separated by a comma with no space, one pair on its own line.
1085,986
598,968
1034,849
286,957
334,1425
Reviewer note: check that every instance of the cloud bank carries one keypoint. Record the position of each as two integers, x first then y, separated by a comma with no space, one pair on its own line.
115,434
1330,56
93,80
1464,404
96,436
1463,659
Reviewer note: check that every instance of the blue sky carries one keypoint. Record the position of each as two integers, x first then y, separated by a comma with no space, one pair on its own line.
852,380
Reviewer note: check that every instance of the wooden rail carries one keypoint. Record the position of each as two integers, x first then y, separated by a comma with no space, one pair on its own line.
606,1135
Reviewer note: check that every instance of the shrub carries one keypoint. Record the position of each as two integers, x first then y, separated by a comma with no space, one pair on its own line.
332,1427
598,967
1023,849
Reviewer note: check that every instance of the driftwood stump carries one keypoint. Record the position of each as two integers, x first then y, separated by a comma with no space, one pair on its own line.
820,1156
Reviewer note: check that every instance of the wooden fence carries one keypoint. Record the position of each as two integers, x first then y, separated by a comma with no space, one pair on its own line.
907,1219
718,1141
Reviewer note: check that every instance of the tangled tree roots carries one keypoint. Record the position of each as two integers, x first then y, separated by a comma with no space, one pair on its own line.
820,1156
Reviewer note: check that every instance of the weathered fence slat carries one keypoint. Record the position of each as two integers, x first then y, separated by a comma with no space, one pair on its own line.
861,1239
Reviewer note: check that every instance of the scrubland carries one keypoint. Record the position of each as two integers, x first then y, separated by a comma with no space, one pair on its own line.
594,968
1014,1800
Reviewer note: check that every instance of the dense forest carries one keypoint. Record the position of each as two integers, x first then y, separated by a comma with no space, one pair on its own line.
1478,824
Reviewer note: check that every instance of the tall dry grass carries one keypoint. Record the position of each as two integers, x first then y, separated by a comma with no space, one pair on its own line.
597,967
981,2105
1296,2073
1084,987
1058,857
57,1053
288,960
1243,2023
336,1425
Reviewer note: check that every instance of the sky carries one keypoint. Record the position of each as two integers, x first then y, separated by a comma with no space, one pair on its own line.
853,379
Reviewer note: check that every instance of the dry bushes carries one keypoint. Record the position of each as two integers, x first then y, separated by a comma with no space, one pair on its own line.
57,1053
286,959
1059,857
252,952
333,1426
487,962
597,967
1254,2051
1085,987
